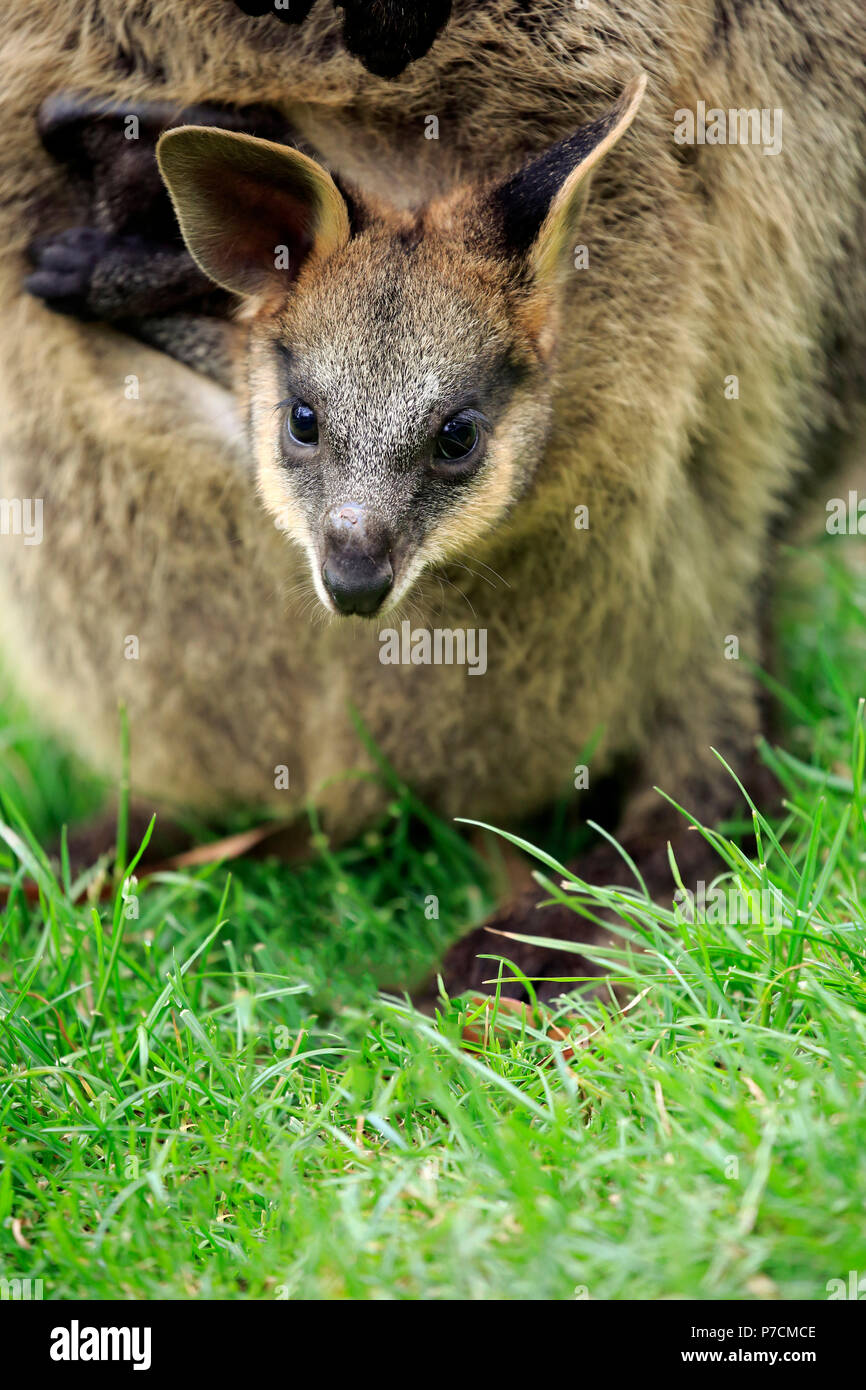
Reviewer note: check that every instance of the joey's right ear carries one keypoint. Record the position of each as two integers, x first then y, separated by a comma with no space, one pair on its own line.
251,212
535,213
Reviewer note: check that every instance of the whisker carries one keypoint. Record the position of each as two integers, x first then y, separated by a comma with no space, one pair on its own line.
462,595
473,572
500,577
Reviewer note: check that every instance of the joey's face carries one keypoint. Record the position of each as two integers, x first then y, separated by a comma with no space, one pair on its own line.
399,364
396,415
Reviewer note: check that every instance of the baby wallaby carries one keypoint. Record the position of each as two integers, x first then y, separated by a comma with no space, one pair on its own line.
400,367
402,373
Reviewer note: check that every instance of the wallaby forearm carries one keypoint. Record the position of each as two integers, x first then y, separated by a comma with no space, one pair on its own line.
202,342
124,264
94,275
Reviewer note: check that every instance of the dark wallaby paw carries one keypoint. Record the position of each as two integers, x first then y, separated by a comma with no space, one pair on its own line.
125,259
93,274
385,35
388,36
64,267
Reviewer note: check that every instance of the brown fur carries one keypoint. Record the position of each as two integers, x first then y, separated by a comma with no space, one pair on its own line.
704,262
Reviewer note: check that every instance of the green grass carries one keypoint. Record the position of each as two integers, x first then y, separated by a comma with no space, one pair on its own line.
210,1099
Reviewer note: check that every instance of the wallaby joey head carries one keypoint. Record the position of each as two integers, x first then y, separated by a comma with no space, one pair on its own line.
400,365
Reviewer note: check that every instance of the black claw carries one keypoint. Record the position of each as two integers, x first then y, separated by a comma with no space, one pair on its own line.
64,266
62,293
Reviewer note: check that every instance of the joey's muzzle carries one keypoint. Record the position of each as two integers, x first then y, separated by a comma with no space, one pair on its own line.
357,570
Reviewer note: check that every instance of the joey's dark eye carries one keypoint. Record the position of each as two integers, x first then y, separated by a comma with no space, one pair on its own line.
303,423
457,439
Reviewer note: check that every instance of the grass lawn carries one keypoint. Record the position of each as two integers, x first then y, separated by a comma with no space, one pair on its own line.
203,1094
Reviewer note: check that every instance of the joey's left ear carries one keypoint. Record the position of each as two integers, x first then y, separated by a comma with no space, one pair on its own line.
251,211
535,213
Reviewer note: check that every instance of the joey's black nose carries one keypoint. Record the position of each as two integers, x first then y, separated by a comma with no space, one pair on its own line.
358,593
357,570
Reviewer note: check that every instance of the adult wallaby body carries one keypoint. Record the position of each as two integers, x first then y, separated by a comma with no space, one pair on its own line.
641,375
